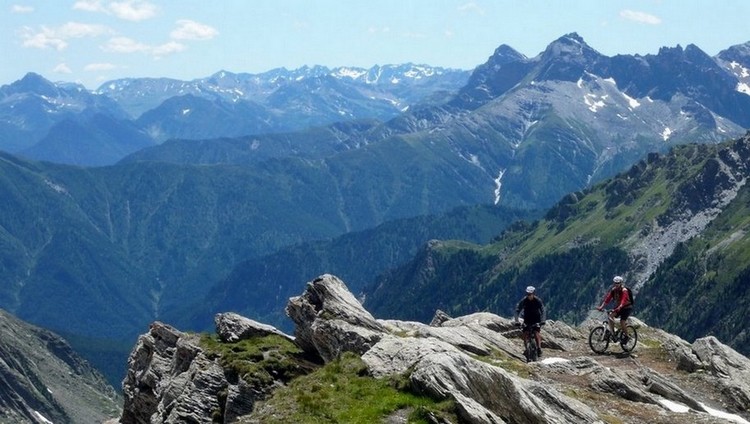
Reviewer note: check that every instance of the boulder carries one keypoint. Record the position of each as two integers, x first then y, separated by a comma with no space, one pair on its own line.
330,320
231,327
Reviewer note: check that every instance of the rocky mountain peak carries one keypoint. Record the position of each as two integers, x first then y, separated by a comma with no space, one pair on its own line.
33,83
739,53
475,361
566,59
505,54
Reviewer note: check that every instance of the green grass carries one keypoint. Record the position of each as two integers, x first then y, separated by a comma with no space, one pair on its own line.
342,392
259,360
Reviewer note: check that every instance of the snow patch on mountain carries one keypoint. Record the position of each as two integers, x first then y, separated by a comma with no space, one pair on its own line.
498,185
666,133
631,101
592,102
741,71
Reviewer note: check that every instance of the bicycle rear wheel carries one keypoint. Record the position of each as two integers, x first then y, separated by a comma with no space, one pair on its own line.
632,339
598,340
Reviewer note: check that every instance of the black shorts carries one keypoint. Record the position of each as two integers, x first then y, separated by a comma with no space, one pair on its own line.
624,313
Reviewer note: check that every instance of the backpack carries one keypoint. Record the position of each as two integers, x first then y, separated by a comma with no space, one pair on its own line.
632,296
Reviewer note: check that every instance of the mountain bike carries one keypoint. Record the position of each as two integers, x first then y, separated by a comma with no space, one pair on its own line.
600,336
530,351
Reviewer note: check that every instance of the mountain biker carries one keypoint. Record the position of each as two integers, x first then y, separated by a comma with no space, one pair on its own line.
623,299
532,309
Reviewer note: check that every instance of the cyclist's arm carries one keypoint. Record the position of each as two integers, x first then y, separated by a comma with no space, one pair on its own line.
518,308
606,300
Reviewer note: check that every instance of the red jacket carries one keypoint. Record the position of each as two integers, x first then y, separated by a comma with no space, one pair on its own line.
621,297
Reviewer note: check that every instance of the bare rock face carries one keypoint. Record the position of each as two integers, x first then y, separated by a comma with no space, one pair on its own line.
43,380
730,369
330,320
232,327
170,380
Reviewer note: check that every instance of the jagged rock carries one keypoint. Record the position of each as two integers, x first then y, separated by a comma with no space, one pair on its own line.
330,320
231,327
170,380
730,369
484,393
439,318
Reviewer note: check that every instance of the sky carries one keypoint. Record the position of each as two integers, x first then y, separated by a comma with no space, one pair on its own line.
94,41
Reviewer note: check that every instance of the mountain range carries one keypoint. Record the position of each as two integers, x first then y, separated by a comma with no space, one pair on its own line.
213,219
65,123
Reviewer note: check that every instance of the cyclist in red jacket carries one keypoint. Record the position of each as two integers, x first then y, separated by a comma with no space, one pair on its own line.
624,301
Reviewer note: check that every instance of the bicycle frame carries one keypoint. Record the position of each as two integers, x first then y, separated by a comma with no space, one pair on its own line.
600,336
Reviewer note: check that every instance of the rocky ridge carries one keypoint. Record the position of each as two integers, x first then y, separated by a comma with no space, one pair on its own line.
475,360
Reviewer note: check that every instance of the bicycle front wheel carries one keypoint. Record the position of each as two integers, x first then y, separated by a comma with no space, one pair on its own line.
531,353
632,339
598,340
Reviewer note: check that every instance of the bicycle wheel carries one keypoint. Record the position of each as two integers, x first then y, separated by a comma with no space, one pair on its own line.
531,354
632,339
598,340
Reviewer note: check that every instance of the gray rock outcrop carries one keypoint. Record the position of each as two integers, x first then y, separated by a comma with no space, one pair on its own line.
170,379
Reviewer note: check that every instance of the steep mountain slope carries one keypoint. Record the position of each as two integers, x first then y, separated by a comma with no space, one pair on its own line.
113,248
92,141
675,225
259,288
42,380
314,143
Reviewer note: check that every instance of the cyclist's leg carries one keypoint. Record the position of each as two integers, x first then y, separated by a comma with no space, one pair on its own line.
624,315
538,336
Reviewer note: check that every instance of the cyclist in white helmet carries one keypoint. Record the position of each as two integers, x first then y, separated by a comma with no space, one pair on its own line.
624,300
532,309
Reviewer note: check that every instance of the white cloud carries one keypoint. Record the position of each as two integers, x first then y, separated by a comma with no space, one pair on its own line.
129,10
167,49
128,45
191,30
641,17
89,6
96,67
62,69
125,45
56,38
42,39
79,30
20,8
133,10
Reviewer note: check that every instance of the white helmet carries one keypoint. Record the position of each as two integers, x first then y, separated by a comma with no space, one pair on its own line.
530,289
618,280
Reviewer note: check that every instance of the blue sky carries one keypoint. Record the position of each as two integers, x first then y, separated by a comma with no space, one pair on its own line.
93,41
